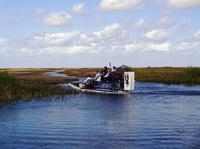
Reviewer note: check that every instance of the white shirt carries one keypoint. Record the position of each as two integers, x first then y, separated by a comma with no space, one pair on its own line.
114,69
88,78
107,75
97,76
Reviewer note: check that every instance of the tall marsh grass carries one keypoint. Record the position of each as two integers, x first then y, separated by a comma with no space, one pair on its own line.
9,85
166,75
169,75
11,89
193,72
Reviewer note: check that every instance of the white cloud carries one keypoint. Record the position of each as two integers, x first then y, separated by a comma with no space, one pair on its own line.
164,22
157,34
197,34
132,47
115,37
61,43
188,45
111,32
141,23
74,42
179,4
82,49
54,39
111,38
183,4
57,19
3,41
87,38
60,50
166,46
148,46
79,8
119,5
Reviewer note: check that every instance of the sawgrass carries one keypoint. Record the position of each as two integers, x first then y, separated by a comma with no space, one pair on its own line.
12,89
166,75
37,75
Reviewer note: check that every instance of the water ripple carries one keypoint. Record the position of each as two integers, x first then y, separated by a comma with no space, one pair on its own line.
155,116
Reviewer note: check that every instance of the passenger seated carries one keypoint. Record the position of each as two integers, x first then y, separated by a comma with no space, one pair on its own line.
88,80
98,76
107,75
113,72
104,74
114,69
104,71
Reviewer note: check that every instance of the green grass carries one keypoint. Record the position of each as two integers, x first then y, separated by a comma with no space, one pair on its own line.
193,72
167,75
36,84
9,86
37,75
12,89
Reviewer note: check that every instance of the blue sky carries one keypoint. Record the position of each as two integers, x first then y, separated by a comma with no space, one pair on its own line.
85,33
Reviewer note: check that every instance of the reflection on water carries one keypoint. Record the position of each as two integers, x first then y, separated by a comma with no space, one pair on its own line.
56,73
156,116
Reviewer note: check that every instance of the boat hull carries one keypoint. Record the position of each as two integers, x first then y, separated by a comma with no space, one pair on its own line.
98,91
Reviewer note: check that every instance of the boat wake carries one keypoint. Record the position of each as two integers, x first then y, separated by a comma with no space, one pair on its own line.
167,92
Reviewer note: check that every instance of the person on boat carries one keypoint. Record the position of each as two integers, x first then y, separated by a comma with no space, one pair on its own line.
104,71
105,74
98,76
113,70
112,73
89,82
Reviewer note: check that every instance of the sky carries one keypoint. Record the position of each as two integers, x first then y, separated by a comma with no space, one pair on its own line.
92,33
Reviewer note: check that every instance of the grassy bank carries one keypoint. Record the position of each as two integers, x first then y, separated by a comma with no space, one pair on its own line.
13,88
42,78
167,75
29,83
81,72
37,75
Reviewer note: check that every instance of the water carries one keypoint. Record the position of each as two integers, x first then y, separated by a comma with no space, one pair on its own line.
156,116
57,73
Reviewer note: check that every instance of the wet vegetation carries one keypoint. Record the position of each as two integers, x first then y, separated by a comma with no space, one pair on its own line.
168,75
12,88
29,83
81,72
37,75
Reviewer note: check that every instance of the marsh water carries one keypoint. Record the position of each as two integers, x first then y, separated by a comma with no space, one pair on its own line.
155,116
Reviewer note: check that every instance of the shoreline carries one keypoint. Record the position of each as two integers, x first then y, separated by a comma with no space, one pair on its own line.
31,82
164,75
28,84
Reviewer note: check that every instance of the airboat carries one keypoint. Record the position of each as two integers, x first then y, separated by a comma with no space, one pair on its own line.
122,85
